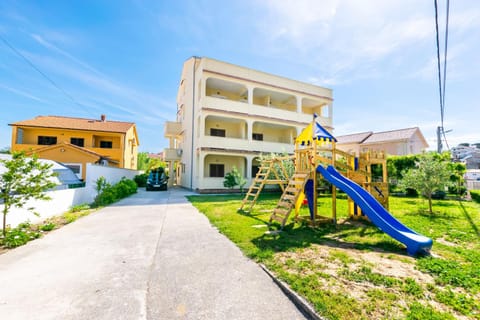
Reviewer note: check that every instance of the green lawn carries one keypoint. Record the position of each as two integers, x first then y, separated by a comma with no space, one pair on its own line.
355,271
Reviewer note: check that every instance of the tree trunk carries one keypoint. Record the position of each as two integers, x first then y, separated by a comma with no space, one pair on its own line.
430,204
4,223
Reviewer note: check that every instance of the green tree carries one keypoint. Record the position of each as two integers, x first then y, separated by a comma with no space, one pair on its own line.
24,178
431,173
234,178
145,163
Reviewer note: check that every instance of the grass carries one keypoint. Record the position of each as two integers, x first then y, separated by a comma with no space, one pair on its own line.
355,271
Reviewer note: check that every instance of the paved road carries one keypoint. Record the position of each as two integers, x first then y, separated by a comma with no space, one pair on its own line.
151,256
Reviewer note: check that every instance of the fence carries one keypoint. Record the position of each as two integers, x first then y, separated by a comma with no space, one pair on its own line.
473,184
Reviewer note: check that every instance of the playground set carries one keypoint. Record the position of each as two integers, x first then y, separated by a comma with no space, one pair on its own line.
316,156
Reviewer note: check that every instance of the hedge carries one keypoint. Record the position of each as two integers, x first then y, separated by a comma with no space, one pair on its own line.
475,194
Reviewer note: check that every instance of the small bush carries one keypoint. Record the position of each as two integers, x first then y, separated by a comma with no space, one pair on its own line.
109,194
475,194
439,195
19,236
48,226
141,180
409,192
79,207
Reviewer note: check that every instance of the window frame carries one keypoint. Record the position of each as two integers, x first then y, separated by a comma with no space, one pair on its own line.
217,172
215,132
46,140
105,144
257,136
73,141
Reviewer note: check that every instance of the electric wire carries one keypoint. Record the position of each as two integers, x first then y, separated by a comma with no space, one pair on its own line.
445,71
442,84
31,64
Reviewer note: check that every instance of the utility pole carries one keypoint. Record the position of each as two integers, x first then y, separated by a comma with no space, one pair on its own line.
439,140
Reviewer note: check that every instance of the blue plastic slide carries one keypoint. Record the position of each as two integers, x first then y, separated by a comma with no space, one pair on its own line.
416,243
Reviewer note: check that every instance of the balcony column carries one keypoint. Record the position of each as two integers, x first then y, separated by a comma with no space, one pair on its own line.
299,104
171,174
330,110
249,168
201,169
201,128
249,129
250,95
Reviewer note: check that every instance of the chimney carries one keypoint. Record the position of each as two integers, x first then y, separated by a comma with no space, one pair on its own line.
103,118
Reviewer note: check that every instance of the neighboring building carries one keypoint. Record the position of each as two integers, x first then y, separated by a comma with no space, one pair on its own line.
394,142
228,115
75,142
470,155
64,176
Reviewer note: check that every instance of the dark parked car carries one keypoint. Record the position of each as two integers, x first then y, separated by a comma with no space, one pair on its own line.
157,180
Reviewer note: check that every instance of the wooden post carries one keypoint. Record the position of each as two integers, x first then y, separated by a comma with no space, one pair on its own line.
334,190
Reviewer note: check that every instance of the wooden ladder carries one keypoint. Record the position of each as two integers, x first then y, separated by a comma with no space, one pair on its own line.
257,185
289,197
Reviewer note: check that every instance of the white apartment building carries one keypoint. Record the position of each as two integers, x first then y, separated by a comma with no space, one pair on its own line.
229,115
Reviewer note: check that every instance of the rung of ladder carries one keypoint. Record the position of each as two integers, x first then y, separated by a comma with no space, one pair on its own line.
284,204
277,218
280,212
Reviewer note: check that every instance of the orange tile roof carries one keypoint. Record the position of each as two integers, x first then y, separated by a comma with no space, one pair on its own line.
59,122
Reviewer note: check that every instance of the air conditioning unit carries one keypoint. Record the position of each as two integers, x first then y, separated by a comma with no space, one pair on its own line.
179,152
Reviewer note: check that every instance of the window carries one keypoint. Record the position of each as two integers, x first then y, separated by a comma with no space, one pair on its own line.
77,141
46,140
217,170
76,168
255,169
106,144
217,132
257,136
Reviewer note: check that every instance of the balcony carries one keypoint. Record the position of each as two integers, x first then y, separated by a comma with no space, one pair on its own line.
245,145
271,112
172,129
170,154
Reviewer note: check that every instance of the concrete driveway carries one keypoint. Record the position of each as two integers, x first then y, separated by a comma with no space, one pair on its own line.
151,256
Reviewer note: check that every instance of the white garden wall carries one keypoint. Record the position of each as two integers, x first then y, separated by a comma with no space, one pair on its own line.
111,174
63,200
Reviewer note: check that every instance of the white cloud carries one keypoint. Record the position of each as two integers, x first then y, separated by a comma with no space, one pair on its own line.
350,39
22,93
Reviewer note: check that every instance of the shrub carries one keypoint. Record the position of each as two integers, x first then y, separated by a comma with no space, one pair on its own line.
47,226
19,236
79,207
439,195
475,194
109,194
141,180
409,192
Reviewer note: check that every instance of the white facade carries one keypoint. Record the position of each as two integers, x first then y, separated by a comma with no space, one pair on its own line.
228,115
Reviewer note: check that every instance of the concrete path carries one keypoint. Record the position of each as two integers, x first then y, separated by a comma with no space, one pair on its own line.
151,256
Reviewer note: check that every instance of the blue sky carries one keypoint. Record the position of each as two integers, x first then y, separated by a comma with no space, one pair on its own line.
124,58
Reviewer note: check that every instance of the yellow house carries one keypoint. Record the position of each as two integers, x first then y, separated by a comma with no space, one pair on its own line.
78,141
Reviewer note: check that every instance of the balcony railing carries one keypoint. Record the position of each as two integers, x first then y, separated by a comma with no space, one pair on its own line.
245,145
261,111
172,129
170,154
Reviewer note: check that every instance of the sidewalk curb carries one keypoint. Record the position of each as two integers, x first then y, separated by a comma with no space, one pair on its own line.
302,305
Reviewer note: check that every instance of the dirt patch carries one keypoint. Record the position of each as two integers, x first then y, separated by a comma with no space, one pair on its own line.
386,264
381,285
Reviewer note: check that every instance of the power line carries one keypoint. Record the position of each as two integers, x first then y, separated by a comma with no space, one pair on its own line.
31,64
441,84
445,69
